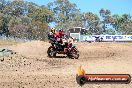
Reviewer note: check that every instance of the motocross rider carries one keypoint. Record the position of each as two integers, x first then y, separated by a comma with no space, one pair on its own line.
60,34
61,39
51,36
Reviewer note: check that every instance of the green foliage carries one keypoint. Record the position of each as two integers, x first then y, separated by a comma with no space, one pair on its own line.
24,19
110,32
122,24
64,13
42,14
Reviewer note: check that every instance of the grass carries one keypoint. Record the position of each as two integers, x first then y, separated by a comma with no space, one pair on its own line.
7,43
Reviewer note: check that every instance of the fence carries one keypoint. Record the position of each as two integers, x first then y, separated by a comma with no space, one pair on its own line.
109,38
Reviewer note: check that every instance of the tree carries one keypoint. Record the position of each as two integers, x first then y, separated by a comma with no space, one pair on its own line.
25,19
4,20
107,19
105,12
42,13
15,8
110,32
122,24
92,23
65,13
39,30
90,19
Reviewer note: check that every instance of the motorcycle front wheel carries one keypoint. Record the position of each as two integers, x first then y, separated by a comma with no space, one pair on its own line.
51,52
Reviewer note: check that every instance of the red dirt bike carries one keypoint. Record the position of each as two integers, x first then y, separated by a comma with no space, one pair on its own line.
71,51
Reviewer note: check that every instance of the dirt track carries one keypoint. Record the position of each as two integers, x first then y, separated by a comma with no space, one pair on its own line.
31,68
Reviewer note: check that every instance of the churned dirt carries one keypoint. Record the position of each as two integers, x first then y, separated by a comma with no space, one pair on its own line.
30,67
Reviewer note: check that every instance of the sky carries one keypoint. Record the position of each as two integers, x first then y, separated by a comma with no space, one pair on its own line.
115,6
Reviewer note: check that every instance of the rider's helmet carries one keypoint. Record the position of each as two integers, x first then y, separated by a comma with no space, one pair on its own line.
52,30
61,30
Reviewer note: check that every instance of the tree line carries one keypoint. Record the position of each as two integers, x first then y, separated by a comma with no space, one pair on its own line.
28,20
